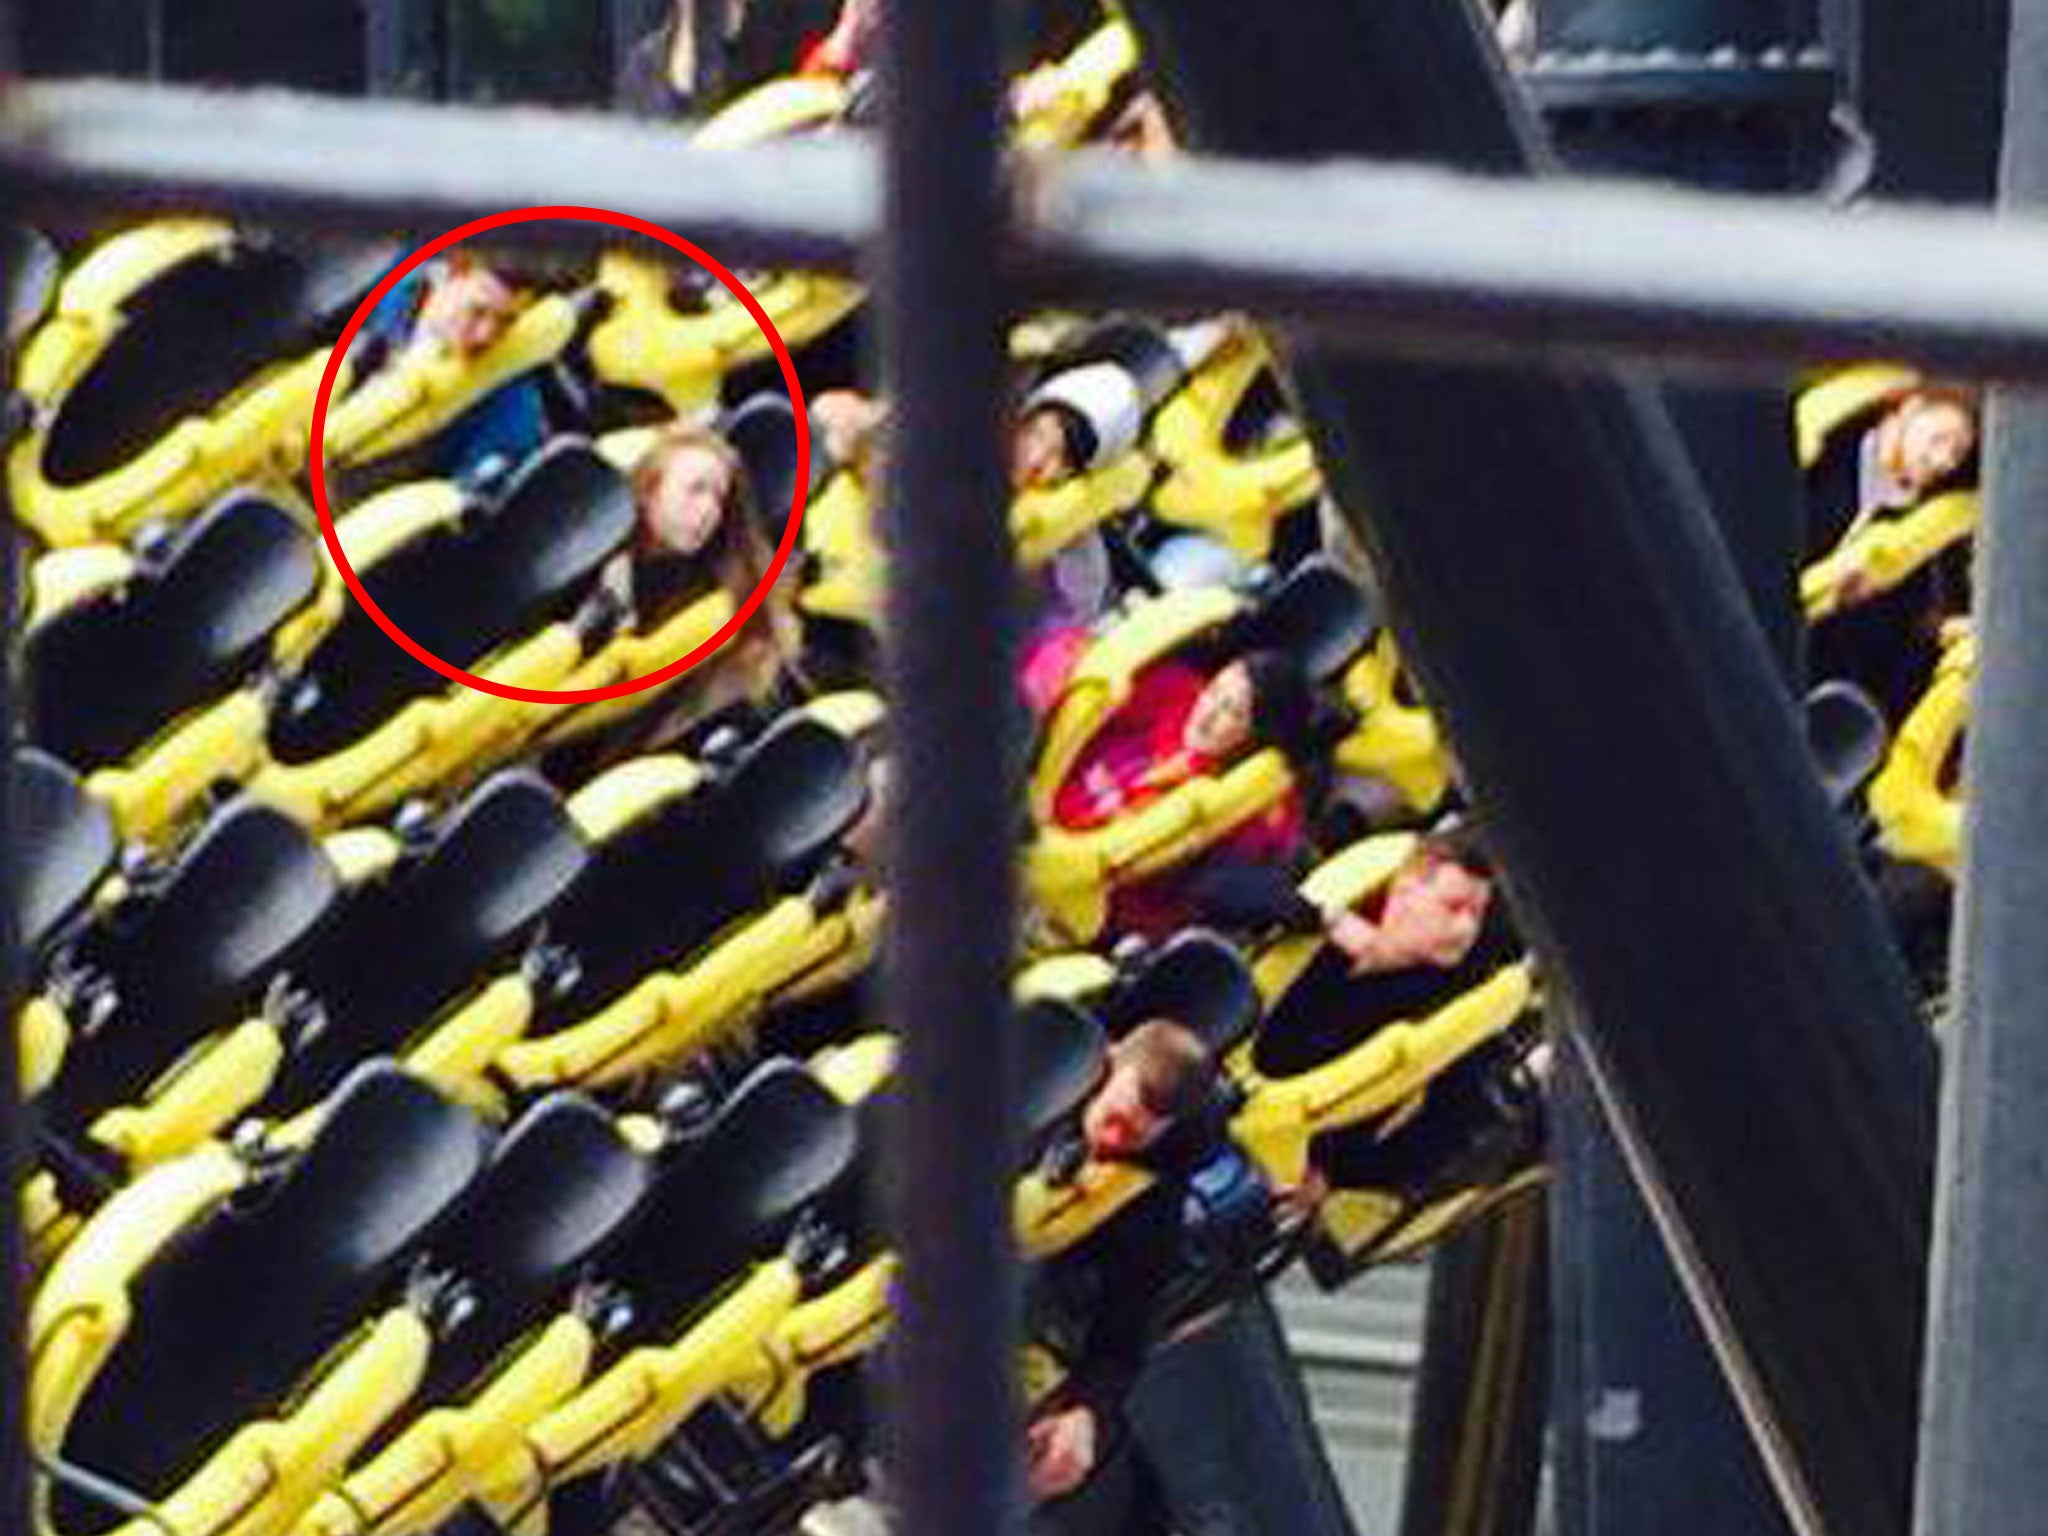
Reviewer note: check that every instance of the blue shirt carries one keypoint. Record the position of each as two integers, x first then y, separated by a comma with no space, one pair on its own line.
508,423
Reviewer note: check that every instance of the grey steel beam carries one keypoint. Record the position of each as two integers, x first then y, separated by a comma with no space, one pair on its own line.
1377,255
1981,1467
953,1439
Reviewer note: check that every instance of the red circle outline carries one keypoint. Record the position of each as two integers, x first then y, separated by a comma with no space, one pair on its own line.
317,468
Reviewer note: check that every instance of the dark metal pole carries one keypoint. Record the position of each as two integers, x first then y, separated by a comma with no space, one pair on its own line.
1921,79
1981,1467
954,1441
398,46
1714,93
1475,1455
1554,573
14,1460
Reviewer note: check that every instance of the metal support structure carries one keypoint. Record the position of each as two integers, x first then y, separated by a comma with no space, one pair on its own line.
1475,1457
399,53
1923,79
1646,1436
1223,1422
1981,1468
1554,575
1415,259
957,753
1731,94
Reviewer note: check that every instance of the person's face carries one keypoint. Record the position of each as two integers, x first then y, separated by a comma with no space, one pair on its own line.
1439,905
1118,1124
1038,451
688,500
467,310
1935,437
1220,724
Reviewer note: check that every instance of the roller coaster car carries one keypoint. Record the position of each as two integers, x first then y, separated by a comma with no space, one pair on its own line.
486,1337
438,915
1915,798
64,842
1315,614
1233,490
179,955
654,968
771,1445
146,671
180,359
364,725
716,1259
178,1345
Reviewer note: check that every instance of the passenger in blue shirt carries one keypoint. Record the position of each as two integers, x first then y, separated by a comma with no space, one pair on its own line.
464,307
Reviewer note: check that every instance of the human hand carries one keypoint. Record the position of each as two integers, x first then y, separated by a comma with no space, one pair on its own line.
1060,1449
1356,939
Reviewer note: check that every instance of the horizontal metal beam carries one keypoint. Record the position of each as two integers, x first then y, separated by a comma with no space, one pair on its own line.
1377,256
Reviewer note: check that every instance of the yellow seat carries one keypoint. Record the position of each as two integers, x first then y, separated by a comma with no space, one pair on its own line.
1919,816
111,310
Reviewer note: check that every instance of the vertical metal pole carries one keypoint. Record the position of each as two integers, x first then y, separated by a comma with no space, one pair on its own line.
1981,1467
958,783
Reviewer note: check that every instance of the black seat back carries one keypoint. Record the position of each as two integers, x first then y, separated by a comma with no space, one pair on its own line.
1317,614
1062,1053
105,675
33,268
794,793
63,843
195,955
519,557
763,432
1198,980
201,330
561,1183
1846,731
404,948
665,886
733,1195
239,1308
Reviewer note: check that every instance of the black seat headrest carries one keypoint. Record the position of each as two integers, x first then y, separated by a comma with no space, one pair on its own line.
549,529
108,673
561,1183
1317,614
1846,731
733,1195
33,268
794,792
439,924
64,841
762,430
1061,1055
1197,979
